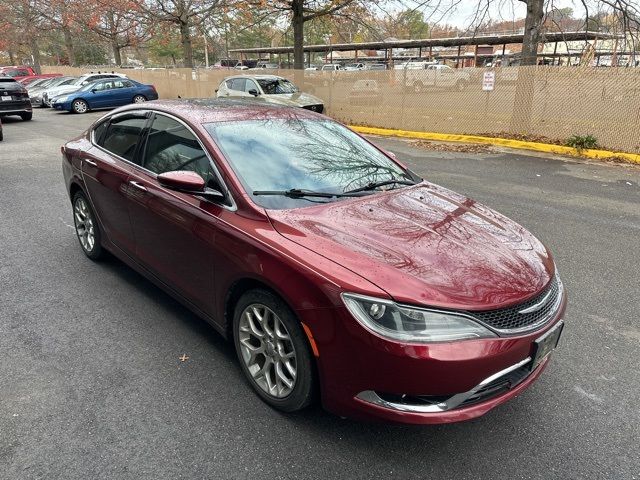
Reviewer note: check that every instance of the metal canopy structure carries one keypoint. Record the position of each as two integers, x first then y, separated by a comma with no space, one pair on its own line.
550,37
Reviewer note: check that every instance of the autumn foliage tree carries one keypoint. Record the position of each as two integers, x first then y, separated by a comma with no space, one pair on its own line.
118,22
186,15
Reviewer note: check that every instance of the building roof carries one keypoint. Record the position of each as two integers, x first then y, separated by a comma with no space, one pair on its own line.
550,37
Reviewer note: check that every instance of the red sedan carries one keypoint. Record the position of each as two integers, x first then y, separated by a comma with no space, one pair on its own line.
335,270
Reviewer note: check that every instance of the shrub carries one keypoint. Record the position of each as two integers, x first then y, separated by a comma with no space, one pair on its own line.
582,142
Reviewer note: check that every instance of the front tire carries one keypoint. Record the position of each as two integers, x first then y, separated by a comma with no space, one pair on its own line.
273,351
26,116
86,226
139,99
80,106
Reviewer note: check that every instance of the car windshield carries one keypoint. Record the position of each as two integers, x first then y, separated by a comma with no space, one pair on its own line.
276,86
280,154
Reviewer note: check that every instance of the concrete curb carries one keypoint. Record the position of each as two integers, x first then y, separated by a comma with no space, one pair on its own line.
501,142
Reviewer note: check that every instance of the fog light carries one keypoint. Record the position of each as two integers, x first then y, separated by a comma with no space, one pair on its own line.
377,311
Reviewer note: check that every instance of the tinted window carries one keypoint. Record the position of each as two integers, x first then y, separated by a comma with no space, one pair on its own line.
98,132
171,146
122,136
6,84
123,84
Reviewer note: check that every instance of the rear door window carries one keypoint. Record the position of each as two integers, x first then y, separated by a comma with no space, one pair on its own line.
123,135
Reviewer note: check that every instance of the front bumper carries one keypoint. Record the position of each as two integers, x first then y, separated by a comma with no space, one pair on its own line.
61,105
366,377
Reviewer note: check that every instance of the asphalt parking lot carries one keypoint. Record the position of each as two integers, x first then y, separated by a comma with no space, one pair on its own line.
91,384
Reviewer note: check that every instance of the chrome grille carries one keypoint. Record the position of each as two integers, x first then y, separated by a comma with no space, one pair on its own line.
510,320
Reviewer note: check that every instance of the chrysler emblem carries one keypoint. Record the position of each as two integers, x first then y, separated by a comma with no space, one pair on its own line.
536,306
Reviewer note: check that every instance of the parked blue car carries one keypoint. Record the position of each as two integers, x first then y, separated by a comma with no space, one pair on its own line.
107,93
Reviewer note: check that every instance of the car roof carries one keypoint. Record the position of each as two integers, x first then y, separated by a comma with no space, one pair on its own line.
217,110
256,76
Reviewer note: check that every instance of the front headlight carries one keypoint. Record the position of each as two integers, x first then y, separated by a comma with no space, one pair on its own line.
60,99
412,324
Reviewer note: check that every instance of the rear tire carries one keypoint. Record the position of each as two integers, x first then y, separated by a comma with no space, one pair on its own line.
26,116
139,99
86,226
273,351
80,106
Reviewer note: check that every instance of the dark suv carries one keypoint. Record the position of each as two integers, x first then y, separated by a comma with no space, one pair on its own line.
14,99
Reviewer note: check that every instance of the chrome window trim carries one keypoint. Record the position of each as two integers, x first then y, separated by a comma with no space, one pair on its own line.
372,397
232,208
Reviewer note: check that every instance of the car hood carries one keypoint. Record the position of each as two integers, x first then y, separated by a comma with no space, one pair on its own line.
53,92
298,99
425,245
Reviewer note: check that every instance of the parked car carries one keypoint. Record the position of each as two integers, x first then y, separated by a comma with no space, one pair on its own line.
14,99
108,93
365,92
81,81
337,269
354,66
21,72
331,67
28,81
269,89
435,76
1,134
377,66
267,66
36,92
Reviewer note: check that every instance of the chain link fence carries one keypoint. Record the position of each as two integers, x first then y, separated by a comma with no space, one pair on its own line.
543,102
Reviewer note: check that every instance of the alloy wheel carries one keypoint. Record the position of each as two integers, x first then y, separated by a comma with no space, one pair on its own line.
139,99
85,225
80,106
267,350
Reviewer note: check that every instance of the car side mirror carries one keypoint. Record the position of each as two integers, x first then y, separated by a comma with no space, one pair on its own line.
93,90
185,181
254,92
189,182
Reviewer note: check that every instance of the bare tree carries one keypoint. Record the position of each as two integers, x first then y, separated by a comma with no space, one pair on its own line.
185,14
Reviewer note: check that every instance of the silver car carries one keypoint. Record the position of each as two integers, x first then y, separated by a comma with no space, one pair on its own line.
270,89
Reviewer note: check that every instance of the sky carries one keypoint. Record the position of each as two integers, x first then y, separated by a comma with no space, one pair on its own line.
463,14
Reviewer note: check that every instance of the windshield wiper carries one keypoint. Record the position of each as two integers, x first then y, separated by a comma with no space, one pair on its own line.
374,185
300,193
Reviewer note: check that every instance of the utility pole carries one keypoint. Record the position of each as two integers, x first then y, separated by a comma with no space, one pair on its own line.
206,50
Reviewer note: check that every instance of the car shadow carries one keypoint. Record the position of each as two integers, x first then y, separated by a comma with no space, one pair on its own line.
173,308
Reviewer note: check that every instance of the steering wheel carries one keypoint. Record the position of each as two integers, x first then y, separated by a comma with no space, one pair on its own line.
191,160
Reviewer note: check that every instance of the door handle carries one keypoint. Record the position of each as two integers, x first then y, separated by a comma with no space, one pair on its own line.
90,162
138,185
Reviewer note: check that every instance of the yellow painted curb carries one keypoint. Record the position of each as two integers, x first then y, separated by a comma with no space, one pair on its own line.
502,142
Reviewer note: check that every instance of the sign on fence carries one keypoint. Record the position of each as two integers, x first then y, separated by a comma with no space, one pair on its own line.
488,81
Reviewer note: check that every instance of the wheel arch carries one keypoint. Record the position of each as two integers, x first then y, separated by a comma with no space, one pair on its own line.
238,288
84,100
